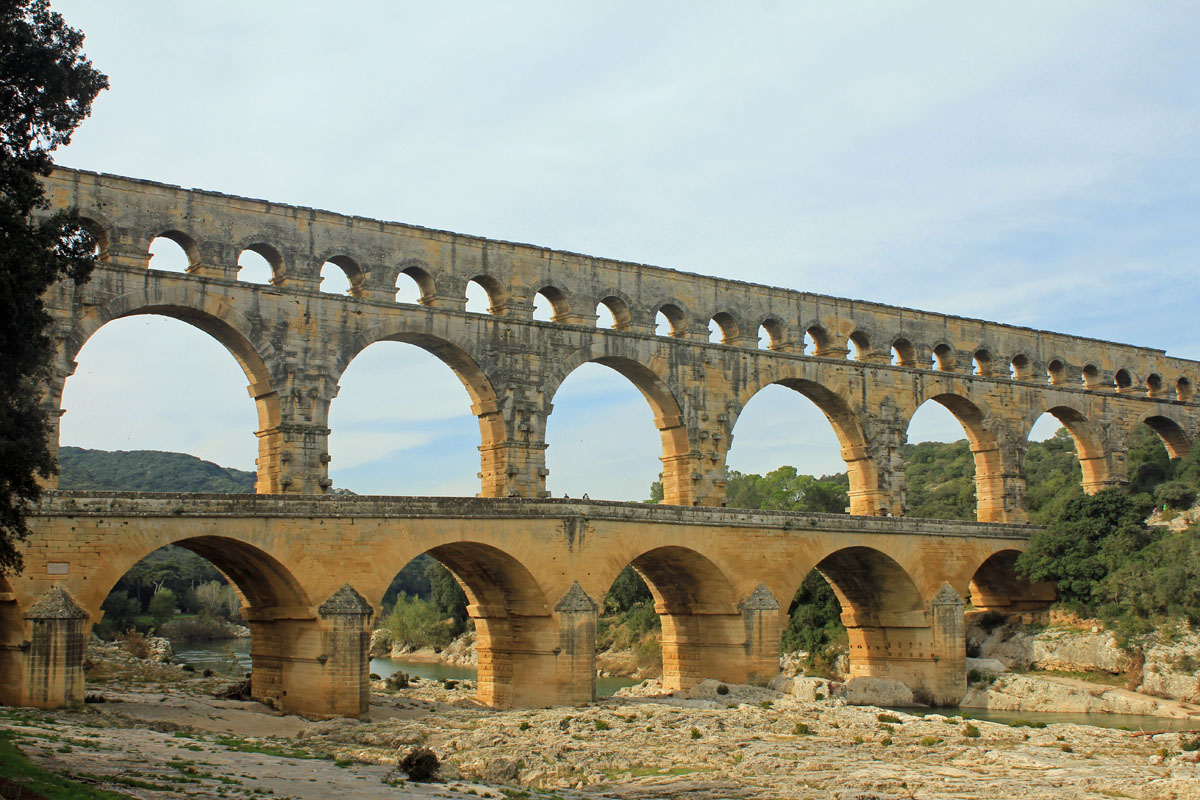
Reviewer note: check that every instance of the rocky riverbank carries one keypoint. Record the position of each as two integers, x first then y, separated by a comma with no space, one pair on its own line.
172,739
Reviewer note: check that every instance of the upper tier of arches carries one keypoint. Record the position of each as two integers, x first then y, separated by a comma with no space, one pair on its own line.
377,257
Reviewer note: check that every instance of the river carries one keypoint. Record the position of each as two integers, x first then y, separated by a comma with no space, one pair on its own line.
232,657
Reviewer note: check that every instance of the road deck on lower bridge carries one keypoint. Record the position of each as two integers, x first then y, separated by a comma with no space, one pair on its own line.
313,571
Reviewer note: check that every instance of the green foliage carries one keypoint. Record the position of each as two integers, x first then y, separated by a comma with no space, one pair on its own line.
1161,580
47,87
162,606
447,596
147,471
418,623
941,480
170,567
1092,537
411,580
120,611
786,490
1175,494
814,622
624,630
33,781
626,591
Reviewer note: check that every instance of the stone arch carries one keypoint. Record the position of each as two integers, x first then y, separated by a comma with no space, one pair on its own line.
619,306
277,608
1091,377
865,495
348,265
731,329
1183,390
989,461
776,332
1154,385
1173,436
498,296
102,230
702,631
238,335
1089,444
944,357
1057,372
559,302
904,354
1123,379
677,316
983,362
661,393
822,339
189,245
858,345
420,274
515,632
995,586
485,401
883,611
1020,367
272,254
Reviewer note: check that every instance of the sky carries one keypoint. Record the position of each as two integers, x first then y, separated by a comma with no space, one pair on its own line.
1027,162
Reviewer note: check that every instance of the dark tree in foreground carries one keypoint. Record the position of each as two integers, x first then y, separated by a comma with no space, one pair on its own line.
47,87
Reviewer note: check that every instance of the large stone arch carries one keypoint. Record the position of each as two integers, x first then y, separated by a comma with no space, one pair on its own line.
485,399
517,635
663,395
995,585
703,630
1089,442
241,337
992,468
866,496
1174,435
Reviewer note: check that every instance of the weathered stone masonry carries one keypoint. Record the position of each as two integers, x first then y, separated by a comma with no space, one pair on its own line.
313,568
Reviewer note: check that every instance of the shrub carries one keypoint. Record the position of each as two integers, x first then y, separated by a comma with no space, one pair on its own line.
887,718
990,620
416,623
695,733
885,741
162,605
1066,748
601,725
801,729
930,741
1175,494
449,684
722,689
1190,745
420,764
974,676
136,644
524,726
971,732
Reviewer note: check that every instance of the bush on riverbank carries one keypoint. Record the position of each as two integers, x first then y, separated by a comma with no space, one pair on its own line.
417,623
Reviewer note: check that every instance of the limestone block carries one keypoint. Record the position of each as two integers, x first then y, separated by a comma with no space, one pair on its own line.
869,691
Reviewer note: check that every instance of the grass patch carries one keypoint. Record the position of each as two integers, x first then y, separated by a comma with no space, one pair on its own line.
891,718
19,775
245,746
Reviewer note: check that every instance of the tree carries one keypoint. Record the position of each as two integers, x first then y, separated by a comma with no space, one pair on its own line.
162,606
47,87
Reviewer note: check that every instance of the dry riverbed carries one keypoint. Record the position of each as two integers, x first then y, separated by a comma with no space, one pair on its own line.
164,736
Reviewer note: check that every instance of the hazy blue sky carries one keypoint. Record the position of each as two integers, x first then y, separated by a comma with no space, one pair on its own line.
1034,163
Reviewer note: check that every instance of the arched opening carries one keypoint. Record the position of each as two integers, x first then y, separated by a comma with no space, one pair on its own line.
800,456
485,295
814,639
90,228
997,588
1123,380
702,632
612,312
601,439
216,599
339,275
467,593
857,346
670,321
1020,368
881,610
260,264
817,342
903,353
409,419
771,335
981,363
947,477
723,328
1056,372
132,392
1091,377
414,286
1154,385
943,358
1064,454
550,305
173,251
1183,390
1173,438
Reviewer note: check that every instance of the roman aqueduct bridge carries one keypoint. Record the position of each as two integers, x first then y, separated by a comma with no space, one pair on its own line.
311,565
